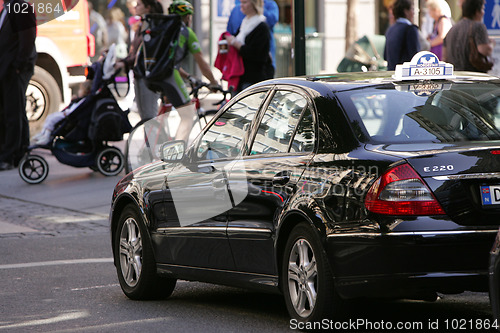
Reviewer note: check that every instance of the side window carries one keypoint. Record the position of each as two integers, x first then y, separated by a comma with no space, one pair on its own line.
224,139
303,141
278,123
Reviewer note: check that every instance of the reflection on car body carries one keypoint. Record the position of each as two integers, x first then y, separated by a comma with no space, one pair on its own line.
295,187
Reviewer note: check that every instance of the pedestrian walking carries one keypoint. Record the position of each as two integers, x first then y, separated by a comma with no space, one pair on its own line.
457,46
99,30
442,24
117,33
133,21
402,38
253,43
427,25
146,100
272,14
17,62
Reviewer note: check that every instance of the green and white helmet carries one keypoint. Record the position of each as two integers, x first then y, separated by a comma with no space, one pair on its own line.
181,7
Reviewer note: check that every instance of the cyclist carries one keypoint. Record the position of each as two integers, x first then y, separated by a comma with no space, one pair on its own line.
177,92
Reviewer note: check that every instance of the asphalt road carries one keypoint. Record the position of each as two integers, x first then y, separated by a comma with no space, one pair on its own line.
57,275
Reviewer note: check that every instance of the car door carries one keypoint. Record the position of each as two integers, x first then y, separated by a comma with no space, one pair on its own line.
281,149
198,190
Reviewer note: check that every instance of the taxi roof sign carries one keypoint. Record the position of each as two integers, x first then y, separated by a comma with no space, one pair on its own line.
424,65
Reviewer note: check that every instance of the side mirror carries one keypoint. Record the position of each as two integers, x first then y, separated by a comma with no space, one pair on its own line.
173,151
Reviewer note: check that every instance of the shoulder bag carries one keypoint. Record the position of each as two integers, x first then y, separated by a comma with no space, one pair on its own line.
479,61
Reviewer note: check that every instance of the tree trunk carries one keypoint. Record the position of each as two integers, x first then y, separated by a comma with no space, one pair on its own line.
351,29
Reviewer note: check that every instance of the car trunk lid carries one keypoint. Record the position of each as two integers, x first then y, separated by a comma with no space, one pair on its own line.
465,179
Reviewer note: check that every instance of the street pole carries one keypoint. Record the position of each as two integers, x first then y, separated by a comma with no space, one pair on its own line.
299,37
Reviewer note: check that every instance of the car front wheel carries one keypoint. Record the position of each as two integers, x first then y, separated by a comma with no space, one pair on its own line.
306,277
135,262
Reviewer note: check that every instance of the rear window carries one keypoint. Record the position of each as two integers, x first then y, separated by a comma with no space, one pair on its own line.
436,112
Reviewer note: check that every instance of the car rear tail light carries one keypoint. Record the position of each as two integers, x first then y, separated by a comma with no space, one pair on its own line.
401,191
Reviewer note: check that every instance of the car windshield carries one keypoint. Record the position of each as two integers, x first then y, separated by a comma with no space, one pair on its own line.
425,112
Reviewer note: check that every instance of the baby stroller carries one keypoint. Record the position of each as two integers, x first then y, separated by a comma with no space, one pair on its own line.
81,139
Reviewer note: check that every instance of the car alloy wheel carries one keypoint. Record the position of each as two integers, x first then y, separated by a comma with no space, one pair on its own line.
134,259
306,277
130,252
302,277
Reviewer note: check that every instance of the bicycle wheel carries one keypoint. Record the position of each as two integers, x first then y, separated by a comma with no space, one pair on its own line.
144,142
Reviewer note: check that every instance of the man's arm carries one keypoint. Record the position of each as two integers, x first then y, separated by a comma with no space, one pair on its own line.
205,68
486,49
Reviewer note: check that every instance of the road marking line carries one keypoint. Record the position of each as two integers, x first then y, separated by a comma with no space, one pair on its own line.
96,287
58,262
57,319
113,326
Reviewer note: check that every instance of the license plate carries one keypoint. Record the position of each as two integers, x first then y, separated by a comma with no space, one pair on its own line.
490,195
427,71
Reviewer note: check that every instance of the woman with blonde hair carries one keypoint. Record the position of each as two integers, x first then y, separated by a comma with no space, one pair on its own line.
442,24
253,42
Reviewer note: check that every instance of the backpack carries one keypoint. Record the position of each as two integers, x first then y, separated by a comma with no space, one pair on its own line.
108,122
156,58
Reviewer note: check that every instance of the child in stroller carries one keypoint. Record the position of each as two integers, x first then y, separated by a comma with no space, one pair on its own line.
45,135
81,137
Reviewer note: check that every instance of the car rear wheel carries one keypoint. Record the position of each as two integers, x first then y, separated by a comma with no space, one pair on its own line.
135,262
306,277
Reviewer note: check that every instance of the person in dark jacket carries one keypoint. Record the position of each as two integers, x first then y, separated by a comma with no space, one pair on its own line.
253,43
402,38
271,12
17,63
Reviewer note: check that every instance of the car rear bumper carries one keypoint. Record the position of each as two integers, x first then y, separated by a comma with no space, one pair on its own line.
402,264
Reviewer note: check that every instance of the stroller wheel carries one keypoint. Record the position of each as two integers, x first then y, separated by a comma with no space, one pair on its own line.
110,161
33,169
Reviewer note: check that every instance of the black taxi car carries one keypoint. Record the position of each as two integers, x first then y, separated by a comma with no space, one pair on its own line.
324,188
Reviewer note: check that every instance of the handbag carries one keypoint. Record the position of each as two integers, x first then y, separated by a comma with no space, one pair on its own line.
479,61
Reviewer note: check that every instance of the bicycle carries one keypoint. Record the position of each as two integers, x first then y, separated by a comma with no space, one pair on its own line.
147,136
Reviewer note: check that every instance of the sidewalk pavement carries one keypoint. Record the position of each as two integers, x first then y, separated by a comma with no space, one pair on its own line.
24,218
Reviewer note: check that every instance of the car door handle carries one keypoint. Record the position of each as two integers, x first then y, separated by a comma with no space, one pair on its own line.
281,178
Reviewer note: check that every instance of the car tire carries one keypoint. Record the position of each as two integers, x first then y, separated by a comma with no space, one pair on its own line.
135,262
306,277
43,97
